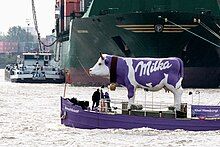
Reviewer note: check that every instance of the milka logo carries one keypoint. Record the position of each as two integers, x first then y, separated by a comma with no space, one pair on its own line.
149,67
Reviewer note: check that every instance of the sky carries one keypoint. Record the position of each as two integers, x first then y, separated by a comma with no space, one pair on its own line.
17,12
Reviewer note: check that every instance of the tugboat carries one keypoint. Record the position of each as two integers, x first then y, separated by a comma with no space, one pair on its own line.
35,67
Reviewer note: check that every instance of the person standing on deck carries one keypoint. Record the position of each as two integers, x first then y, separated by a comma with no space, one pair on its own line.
107,99
95,99
101,94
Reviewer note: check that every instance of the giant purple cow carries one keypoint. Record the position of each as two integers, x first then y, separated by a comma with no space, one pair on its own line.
149,73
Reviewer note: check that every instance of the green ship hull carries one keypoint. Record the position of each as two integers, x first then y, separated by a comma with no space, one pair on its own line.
192,36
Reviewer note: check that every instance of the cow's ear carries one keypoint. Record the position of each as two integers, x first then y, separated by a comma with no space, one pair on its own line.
106,61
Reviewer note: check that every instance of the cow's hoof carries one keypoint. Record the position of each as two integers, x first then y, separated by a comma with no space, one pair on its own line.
180,114
136,107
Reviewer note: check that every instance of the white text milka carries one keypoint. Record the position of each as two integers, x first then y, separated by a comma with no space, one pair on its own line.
149,67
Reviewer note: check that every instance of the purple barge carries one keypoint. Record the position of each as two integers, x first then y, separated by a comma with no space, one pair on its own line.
203,119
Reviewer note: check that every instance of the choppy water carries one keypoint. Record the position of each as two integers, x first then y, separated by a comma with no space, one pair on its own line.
29,116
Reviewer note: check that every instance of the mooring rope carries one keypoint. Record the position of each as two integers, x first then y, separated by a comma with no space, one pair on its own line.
83,67
217,25
37,30
209,29
190,32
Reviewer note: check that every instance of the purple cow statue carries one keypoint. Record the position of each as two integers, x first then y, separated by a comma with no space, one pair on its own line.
152,74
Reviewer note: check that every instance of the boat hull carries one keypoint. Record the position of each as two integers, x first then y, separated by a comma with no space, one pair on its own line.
135,35
78,118
30,80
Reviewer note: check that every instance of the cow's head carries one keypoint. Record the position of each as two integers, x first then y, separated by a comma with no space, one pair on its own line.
101,68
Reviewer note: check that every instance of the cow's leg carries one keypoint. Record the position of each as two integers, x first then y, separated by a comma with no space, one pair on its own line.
131,96
176,89
177,98
131,102
177,92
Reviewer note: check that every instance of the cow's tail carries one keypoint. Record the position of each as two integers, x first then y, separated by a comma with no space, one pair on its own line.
180,75
181,71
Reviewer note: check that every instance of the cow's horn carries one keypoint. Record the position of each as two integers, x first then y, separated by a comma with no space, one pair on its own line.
101,56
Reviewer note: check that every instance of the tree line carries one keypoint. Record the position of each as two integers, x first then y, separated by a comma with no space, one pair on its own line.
18,34
15,34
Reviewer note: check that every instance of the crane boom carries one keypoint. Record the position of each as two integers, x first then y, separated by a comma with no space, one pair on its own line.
36,28
36,25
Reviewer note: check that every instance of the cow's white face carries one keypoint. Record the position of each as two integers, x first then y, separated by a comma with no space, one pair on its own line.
100,69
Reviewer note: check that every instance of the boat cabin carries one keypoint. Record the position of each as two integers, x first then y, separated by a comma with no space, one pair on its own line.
41,59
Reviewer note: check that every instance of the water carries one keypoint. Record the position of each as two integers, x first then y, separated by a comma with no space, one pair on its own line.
30,116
